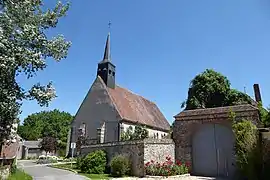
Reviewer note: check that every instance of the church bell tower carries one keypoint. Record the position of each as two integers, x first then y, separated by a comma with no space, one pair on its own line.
106,69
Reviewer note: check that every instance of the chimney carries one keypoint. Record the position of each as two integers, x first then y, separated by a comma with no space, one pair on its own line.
257,93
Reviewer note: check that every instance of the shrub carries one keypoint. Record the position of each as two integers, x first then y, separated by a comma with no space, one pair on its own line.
120,166
46,161
79,162
94,163
139,133
168,168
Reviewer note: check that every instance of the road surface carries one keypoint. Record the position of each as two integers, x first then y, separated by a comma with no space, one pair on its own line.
41,172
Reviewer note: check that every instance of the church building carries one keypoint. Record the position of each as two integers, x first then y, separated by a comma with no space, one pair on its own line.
108,109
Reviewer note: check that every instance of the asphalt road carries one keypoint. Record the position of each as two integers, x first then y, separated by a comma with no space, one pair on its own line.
41,172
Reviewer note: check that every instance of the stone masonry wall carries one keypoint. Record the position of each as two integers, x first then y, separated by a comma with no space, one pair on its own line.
158,150
188,122
138,152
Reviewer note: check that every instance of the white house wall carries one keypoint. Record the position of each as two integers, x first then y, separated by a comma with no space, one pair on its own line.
153,133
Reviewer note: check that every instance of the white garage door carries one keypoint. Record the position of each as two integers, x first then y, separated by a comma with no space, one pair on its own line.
212,151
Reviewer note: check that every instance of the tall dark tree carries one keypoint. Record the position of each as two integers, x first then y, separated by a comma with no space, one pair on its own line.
212,89
48,144
24,50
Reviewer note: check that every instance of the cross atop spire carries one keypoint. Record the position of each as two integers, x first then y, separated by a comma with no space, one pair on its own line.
107,51
109,25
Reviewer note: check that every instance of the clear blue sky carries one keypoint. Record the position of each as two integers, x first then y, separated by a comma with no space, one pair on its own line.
158,46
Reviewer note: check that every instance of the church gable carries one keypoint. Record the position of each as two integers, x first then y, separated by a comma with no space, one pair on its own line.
96,108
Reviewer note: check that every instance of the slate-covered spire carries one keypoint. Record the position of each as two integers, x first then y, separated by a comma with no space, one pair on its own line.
106,69
107,51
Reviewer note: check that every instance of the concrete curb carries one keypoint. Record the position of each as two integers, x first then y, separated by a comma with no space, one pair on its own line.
171,177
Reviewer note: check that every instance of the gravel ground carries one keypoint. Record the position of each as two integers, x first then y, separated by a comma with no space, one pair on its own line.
171,178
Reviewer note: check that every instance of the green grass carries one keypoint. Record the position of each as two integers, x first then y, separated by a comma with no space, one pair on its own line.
73,168
19,175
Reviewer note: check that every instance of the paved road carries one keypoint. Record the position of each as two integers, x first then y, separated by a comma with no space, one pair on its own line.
41,172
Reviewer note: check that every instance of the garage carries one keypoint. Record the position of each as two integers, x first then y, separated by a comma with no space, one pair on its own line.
212,150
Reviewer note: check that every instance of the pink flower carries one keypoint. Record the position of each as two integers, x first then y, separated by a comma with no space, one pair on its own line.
147,164
178,163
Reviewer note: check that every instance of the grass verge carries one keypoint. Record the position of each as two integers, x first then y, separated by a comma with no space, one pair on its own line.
19,175
72,168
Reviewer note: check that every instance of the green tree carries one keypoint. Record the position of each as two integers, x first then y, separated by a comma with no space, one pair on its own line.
140,132
47,124
212,89
24,50
264,115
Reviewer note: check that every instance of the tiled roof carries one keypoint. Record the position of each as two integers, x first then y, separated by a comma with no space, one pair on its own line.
217,110
9,150
31,144
137,109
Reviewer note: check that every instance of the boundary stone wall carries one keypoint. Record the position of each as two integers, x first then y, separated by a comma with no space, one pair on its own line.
139,152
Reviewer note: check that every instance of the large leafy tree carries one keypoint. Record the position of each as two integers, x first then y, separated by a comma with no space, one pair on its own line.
212,89
24,50
54,124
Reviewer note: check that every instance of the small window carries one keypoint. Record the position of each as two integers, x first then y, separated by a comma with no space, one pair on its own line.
157,135
113,73
110,72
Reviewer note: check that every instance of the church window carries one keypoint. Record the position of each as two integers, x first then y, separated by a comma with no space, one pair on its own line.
82,129
157,135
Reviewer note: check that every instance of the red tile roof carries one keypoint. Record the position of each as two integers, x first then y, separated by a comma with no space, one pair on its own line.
137,109
217,110
9,150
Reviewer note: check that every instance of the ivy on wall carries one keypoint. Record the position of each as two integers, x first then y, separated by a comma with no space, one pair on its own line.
247,148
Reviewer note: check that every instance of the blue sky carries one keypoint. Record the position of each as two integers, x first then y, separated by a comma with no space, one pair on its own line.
158,46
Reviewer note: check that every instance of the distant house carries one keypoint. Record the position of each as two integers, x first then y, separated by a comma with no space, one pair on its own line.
109,110
32,150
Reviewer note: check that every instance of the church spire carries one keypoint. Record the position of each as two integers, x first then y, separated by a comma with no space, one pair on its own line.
106,69
107,51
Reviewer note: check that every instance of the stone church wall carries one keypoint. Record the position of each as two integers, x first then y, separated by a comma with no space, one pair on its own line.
139,152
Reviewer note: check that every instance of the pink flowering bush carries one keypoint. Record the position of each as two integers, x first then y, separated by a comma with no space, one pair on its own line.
168,168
